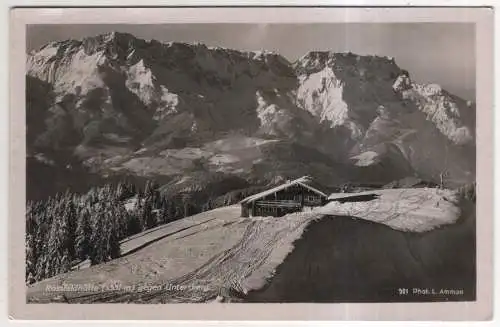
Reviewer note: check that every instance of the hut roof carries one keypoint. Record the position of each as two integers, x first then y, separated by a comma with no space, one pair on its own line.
303,181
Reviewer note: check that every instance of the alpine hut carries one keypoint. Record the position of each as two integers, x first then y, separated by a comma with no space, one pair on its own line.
293,196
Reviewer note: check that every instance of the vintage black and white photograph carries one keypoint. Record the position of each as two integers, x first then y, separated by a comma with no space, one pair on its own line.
250,163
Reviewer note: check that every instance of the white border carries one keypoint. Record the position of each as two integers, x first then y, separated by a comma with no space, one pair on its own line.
155,16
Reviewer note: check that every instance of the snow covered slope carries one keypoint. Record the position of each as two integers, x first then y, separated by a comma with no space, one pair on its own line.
201,257
219,255
409,210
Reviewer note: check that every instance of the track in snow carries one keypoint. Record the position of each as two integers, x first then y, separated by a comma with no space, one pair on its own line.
225,274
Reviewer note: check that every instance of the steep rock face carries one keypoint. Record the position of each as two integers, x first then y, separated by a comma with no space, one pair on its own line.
392,121
345,89
417,142
219,88
116,103
453,117
348,90
124,96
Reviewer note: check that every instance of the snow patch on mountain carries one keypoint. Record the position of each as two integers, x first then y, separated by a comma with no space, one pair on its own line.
221,159
187,153
402,83
270,115
236,142
321,94
169,103
438,107
344,89
140,81
366,158
66,70
47,52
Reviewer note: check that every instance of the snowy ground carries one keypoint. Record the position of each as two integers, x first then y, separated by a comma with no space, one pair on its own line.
414,210
217,255
195,259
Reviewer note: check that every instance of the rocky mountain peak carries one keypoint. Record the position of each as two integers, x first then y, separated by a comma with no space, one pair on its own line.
315,61
175,94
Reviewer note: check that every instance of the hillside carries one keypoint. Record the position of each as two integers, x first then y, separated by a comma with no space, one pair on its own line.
216,255
205,254
348,260
114,105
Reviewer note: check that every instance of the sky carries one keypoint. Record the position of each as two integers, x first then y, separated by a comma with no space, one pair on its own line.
442,53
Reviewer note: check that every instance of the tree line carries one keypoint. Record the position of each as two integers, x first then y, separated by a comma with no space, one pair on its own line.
69,228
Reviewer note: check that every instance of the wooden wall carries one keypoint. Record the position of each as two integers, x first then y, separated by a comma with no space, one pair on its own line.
285,201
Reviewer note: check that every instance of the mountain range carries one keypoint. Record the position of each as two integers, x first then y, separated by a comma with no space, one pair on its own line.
114,105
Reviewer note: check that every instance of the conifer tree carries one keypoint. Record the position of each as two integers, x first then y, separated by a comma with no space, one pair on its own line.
31,214
96,238
152,191
186,206
83,235
57,247
70,223
113,234
138,208
171,212
133,224
121,215
147,213
41,245
121,191
68,226
30,259
163,213
65,262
